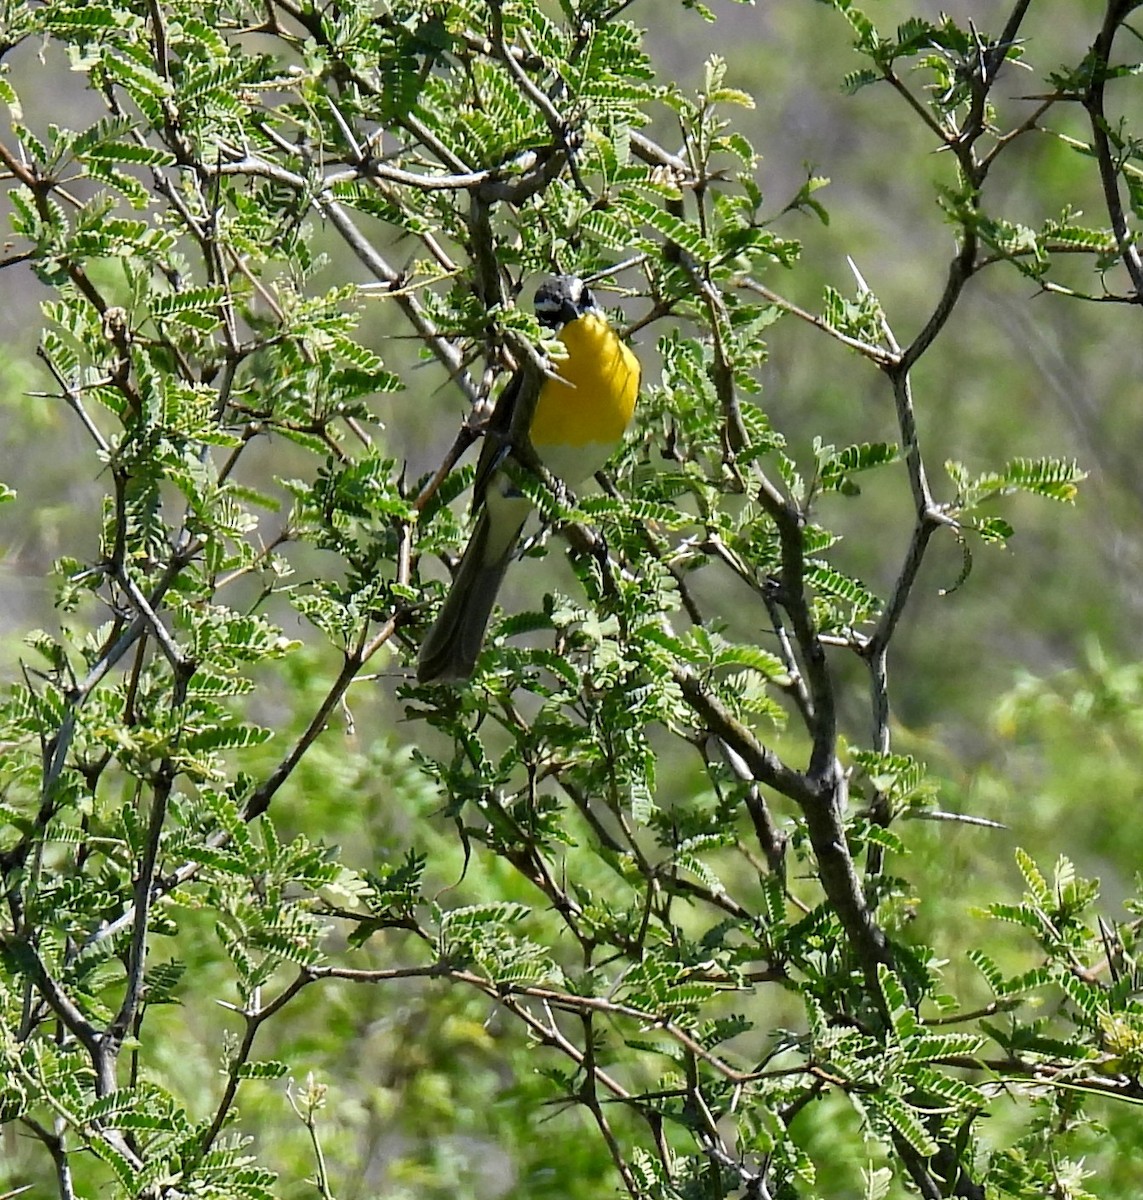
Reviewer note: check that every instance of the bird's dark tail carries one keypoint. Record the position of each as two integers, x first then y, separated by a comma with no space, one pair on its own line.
451,647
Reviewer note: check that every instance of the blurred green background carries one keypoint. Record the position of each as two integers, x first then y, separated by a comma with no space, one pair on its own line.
1019,688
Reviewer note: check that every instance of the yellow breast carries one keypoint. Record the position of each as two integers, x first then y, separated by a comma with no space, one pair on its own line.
581,415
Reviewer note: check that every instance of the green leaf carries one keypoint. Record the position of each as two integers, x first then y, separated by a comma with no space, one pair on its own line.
835,467
673,229
752,657
265,1069
843,589
117,1161
121,1100
1089,998
906,1120
878,1182
956,1093
199,300
233,737
1055,478
8,97
989,969
861,25
1034,880
901,1014
127,152
993,530
856,80
928,1047
1016,914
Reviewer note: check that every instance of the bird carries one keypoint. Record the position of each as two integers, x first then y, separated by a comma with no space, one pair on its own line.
581,413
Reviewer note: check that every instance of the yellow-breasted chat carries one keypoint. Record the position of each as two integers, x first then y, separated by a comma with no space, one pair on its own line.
579,417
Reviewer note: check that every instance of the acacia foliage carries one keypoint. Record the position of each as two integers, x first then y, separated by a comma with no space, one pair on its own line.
680,880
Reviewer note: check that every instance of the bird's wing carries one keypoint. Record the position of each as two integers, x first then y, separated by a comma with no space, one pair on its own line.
497,444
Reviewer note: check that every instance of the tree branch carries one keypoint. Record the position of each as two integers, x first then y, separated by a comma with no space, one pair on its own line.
1114,16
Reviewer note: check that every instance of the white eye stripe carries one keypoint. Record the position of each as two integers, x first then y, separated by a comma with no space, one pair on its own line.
561,299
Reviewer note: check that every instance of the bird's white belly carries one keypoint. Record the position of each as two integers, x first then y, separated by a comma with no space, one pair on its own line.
573,464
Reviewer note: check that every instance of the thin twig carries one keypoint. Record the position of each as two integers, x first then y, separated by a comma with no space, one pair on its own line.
255,1018
1114,16
877,354
445,350
144,883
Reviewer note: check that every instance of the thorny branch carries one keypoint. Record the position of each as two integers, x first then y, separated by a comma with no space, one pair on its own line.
1101,134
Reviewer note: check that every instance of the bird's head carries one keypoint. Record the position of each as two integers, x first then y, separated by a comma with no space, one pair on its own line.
561,300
